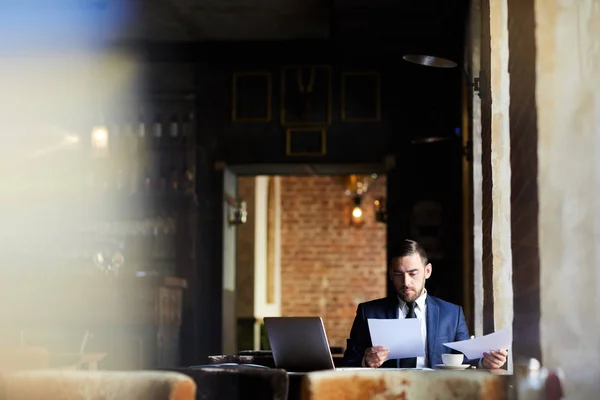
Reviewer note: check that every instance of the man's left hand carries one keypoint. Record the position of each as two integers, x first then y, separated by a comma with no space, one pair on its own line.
494,359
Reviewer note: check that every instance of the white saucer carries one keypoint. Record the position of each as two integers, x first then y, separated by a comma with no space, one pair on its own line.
455,367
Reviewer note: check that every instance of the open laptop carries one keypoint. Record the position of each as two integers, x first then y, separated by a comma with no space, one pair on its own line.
299,344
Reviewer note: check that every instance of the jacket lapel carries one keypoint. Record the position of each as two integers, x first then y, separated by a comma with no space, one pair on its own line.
432,327
391,311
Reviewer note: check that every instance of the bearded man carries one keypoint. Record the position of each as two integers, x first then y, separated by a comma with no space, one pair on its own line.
440,321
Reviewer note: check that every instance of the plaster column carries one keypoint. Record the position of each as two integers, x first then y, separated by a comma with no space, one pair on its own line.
267,259
501,171
473,60
568,104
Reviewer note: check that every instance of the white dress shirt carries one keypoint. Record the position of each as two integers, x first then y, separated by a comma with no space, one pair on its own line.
421,312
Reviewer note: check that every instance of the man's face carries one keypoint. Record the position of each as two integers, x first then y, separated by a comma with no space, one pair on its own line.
409,274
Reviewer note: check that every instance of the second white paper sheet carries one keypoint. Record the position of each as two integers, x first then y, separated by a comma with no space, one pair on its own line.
401,336
474,348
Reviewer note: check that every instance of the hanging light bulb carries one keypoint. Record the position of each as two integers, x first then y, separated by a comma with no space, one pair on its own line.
357,217
99,136
99,141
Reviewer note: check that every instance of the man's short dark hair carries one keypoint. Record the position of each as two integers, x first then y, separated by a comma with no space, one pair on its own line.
408,248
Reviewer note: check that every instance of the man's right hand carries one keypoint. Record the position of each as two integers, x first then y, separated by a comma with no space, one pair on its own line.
375,356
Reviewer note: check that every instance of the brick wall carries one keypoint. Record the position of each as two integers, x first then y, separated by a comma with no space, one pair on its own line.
328,267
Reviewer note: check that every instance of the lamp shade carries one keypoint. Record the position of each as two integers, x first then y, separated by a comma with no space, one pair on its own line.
430,61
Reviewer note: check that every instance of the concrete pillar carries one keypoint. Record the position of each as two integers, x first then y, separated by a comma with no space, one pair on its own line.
568,106
259,254
474,63
228,299
267,288
501,172
524,172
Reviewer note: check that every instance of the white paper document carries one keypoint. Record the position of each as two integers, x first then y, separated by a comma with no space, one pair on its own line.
401,336
474,348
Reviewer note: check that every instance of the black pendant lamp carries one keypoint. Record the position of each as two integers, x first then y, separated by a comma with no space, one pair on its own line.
430,60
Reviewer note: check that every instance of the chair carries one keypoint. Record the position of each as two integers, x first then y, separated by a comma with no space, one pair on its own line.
24,358
554,385
531,379
405,385
92,385
238,382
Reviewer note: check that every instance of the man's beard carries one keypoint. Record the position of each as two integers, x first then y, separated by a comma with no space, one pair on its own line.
411,295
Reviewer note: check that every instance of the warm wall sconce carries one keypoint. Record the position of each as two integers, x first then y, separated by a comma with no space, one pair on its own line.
357,217
380,210
357,186
99,141
238,213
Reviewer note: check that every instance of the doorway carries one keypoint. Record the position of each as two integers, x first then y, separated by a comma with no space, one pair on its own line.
312,245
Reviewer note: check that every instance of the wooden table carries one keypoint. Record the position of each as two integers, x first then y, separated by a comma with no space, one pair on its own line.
295,383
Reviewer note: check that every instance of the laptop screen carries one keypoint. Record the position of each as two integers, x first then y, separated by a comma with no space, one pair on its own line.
299,344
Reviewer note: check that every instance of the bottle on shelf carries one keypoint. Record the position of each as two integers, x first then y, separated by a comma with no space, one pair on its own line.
118,145
163,176
157,131
147,180
186,128
174,179
130,160
174,129
140,173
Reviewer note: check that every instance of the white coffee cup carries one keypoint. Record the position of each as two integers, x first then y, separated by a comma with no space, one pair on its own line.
453,360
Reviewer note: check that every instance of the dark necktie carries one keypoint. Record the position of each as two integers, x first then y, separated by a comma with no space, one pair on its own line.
409,362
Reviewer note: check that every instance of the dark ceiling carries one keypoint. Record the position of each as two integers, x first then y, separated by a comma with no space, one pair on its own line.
404,25
404,21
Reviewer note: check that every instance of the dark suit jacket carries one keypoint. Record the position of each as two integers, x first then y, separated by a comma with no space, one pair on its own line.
445,323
